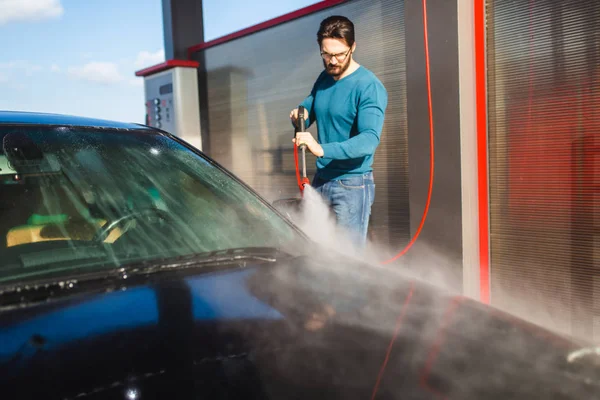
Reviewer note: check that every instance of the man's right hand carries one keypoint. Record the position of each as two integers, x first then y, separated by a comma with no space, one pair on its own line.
294,115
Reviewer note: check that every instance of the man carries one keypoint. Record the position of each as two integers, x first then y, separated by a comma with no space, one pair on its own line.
348,103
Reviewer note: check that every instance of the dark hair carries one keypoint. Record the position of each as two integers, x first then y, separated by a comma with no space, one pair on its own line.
336,27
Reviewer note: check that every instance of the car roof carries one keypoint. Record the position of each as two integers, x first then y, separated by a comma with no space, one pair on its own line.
38,118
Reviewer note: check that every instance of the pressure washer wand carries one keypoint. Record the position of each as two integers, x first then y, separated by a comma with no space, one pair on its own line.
303,147
300,125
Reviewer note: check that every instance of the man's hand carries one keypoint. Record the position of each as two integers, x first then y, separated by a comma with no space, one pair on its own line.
310,142
294,115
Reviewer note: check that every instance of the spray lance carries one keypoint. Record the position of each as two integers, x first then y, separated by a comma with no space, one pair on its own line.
294,204
300,125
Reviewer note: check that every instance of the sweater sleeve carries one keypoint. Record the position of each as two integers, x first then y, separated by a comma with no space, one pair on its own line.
370,117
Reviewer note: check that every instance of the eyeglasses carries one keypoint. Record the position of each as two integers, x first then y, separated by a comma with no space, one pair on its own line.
340,57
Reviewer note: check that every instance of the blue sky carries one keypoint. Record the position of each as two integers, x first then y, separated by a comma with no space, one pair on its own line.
79,56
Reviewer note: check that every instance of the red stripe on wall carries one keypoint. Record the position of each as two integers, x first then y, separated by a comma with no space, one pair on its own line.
322,5
482,153
165,66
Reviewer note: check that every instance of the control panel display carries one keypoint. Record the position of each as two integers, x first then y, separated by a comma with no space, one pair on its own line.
159,108
171,101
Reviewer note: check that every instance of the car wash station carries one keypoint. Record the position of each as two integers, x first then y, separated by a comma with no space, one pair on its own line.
167,259
513,93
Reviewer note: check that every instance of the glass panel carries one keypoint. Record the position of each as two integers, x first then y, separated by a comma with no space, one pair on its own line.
544,97
253,83
237,15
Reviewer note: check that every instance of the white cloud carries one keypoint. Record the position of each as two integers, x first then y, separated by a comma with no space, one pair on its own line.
55,68
147,59
95,71
101,72
29,10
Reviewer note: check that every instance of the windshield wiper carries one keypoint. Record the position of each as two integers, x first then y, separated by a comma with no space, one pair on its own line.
42,289
267,254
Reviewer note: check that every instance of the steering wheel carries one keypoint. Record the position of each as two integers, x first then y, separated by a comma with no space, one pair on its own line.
105,231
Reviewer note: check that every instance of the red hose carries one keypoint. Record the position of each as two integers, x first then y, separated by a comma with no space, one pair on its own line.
424,217
431,146
300,186
301,183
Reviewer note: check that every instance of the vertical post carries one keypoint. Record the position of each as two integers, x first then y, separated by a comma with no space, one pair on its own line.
482,148
440,241
183,27
468,148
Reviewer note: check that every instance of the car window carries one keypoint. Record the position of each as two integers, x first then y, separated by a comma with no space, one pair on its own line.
83,198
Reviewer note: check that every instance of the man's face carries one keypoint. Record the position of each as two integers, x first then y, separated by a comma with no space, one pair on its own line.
336,56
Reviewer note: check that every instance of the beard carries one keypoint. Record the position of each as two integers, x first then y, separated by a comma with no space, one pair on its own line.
337,69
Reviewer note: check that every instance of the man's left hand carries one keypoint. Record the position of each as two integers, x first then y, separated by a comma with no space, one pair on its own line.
310,142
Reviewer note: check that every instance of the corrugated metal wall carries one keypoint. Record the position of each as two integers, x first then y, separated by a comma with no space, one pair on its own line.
253,83
544,120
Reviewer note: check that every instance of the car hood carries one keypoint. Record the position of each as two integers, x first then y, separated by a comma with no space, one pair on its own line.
295,329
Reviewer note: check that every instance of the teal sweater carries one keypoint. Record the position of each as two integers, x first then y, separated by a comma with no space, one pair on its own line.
349,114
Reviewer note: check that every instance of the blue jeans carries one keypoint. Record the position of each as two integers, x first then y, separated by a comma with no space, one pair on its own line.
351,199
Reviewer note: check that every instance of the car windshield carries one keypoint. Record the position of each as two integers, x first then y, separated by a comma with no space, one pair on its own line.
81,199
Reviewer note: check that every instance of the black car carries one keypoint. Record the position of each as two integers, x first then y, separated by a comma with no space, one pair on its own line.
133,266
